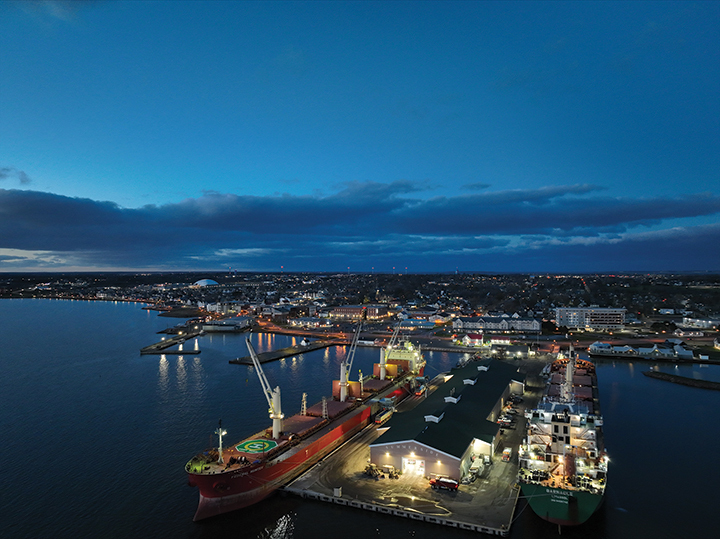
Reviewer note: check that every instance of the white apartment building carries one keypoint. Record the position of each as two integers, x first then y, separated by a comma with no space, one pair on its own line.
593,317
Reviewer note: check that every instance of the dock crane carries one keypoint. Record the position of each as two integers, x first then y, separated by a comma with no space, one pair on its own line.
386,352
346,365
271,395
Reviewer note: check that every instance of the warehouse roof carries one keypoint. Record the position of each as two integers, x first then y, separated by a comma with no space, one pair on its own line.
463,414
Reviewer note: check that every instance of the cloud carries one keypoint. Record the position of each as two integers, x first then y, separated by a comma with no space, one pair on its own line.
364,224
64,10
475,186
12,172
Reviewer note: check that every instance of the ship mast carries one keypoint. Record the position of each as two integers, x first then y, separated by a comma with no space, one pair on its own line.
271,395
346,365
220,432
567,389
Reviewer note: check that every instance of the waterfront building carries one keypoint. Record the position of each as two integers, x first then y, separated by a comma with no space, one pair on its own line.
704,323
671,350
356,312
590,318
502,324
310,322
237,323
454,426
473,339
414,324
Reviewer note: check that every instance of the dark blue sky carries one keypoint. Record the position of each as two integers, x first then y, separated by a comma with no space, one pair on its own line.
482,136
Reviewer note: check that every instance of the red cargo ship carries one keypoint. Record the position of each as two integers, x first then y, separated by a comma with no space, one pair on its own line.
252,469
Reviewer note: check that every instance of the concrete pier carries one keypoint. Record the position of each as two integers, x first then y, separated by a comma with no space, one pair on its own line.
274,355
162,346
486,505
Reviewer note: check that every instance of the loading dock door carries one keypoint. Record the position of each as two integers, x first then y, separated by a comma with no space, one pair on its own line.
413,466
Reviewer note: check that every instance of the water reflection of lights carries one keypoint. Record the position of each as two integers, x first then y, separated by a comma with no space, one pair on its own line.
198,374
163,373
181,373
284,527
295,365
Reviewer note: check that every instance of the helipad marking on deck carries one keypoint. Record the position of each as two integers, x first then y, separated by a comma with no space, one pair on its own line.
256,446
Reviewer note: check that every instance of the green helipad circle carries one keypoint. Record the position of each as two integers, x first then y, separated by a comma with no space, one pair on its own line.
256,446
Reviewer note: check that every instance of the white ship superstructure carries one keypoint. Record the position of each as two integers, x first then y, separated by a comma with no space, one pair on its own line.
563,444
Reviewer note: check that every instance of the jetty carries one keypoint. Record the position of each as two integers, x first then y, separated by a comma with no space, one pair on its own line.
162,346
683,380
274,355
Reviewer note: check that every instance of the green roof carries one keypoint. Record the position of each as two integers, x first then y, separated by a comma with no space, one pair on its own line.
463,420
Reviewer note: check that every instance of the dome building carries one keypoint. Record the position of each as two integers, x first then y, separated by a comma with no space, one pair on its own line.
205,282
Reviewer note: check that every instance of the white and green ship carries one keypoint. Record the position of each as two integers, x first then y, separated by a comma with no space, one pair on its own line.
563,464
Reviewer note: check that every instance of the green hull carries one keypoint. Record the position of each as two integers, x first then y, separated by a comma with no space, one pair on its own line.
564,507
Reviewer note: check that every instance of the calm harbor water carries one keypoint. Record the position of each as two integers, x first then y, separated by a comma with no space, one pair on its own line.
95,436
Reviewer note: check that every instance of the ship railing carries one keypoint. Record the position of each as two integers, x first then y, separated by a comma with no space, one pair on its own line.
584,444
539,441
587,434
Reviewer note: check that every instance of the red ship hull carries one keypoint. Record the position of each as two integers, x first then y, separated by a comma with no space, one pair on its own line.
238,488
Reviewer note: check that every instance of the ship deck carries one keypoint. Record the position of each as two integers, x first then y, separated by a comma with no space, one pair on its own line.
557,479
299,431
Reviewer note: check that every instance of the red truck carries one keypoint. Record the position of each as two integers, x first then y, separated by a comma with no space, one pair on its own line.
444,483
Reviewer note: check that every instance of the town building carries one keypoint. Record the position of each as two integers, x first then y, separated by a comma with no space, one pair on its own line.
590,318
704,323
310,322
501,324
473,339
356,312
413,324
238,323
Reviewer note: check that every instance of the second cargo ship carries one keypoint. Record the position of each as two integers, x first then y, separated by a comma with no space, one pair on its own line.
563,464
248,471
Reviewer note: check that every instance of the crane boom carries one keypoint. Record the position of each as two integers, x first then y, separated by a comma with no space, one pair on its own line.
267,391
393,339
346,366
353,347
271,395
384,354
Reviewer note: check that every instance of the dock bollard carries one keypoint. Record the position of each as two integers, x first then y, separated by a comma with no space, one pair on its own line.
337,492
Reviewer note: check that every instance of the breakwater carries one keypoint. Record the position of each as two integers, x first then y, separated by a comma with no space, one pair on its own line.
683,380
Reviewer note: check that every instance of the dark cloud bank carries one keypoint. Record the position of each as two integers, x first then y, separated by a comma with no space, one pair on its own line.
367,225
